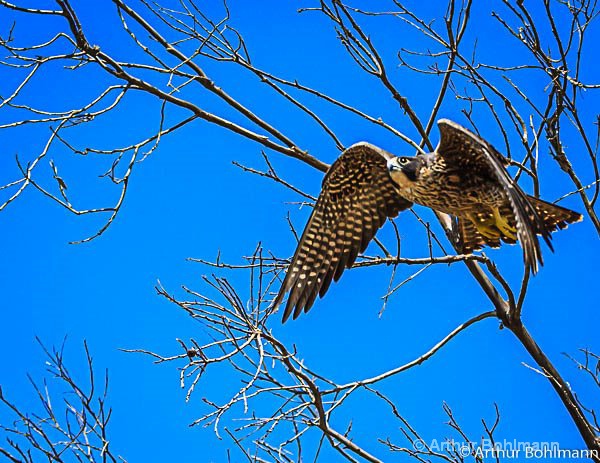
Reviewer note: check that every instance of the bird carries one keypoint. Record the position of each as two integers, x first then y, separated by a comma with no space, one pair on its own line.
465,176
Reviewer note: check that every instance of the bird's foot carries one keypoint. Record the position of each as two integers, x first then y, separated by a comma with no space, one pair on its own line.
503,225
486,228
488,232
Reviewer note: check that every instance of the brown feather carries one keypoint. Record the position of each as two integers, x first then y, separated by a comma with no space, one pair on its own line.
356,198
555,217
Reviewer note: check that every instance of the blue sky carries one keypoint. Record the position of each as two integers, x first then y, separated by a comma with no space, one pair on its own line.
188,200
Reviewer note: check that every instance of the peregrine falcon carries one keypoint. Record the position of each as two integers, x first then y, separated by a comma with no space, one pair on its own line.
465,177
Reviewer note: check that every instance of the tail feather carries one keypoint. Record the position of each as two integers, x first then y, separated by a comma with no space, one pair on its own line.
554,217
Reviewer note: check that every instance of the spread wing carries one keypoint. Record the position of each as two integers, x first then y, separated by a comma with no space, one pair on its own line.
357,197
465,151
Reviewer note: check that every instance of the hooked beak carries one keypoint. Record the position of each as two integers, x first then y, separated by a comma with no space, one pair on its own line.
392,165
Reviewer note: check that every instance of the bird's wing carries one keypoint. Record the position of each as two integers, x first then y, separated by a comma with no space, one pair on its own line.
357,197
469,153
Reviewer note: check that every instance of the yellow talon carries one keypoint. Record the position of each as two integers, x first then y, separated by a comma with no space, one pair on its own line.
503,225
485,228
488,232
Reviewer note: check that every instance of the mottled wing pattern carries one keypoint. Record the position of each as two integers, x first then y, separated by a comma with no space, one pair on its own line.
464,150
357,197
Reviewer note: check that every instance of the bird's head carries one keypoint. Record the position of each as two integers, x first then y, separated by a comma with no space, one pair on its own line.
405,169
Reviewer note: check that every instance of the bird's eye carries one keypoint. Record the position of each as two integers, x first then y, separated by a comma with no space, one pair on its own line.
403,161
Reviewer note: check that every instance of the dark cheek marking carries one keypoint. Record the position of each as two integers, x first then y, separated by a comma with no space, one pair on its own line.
410,172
